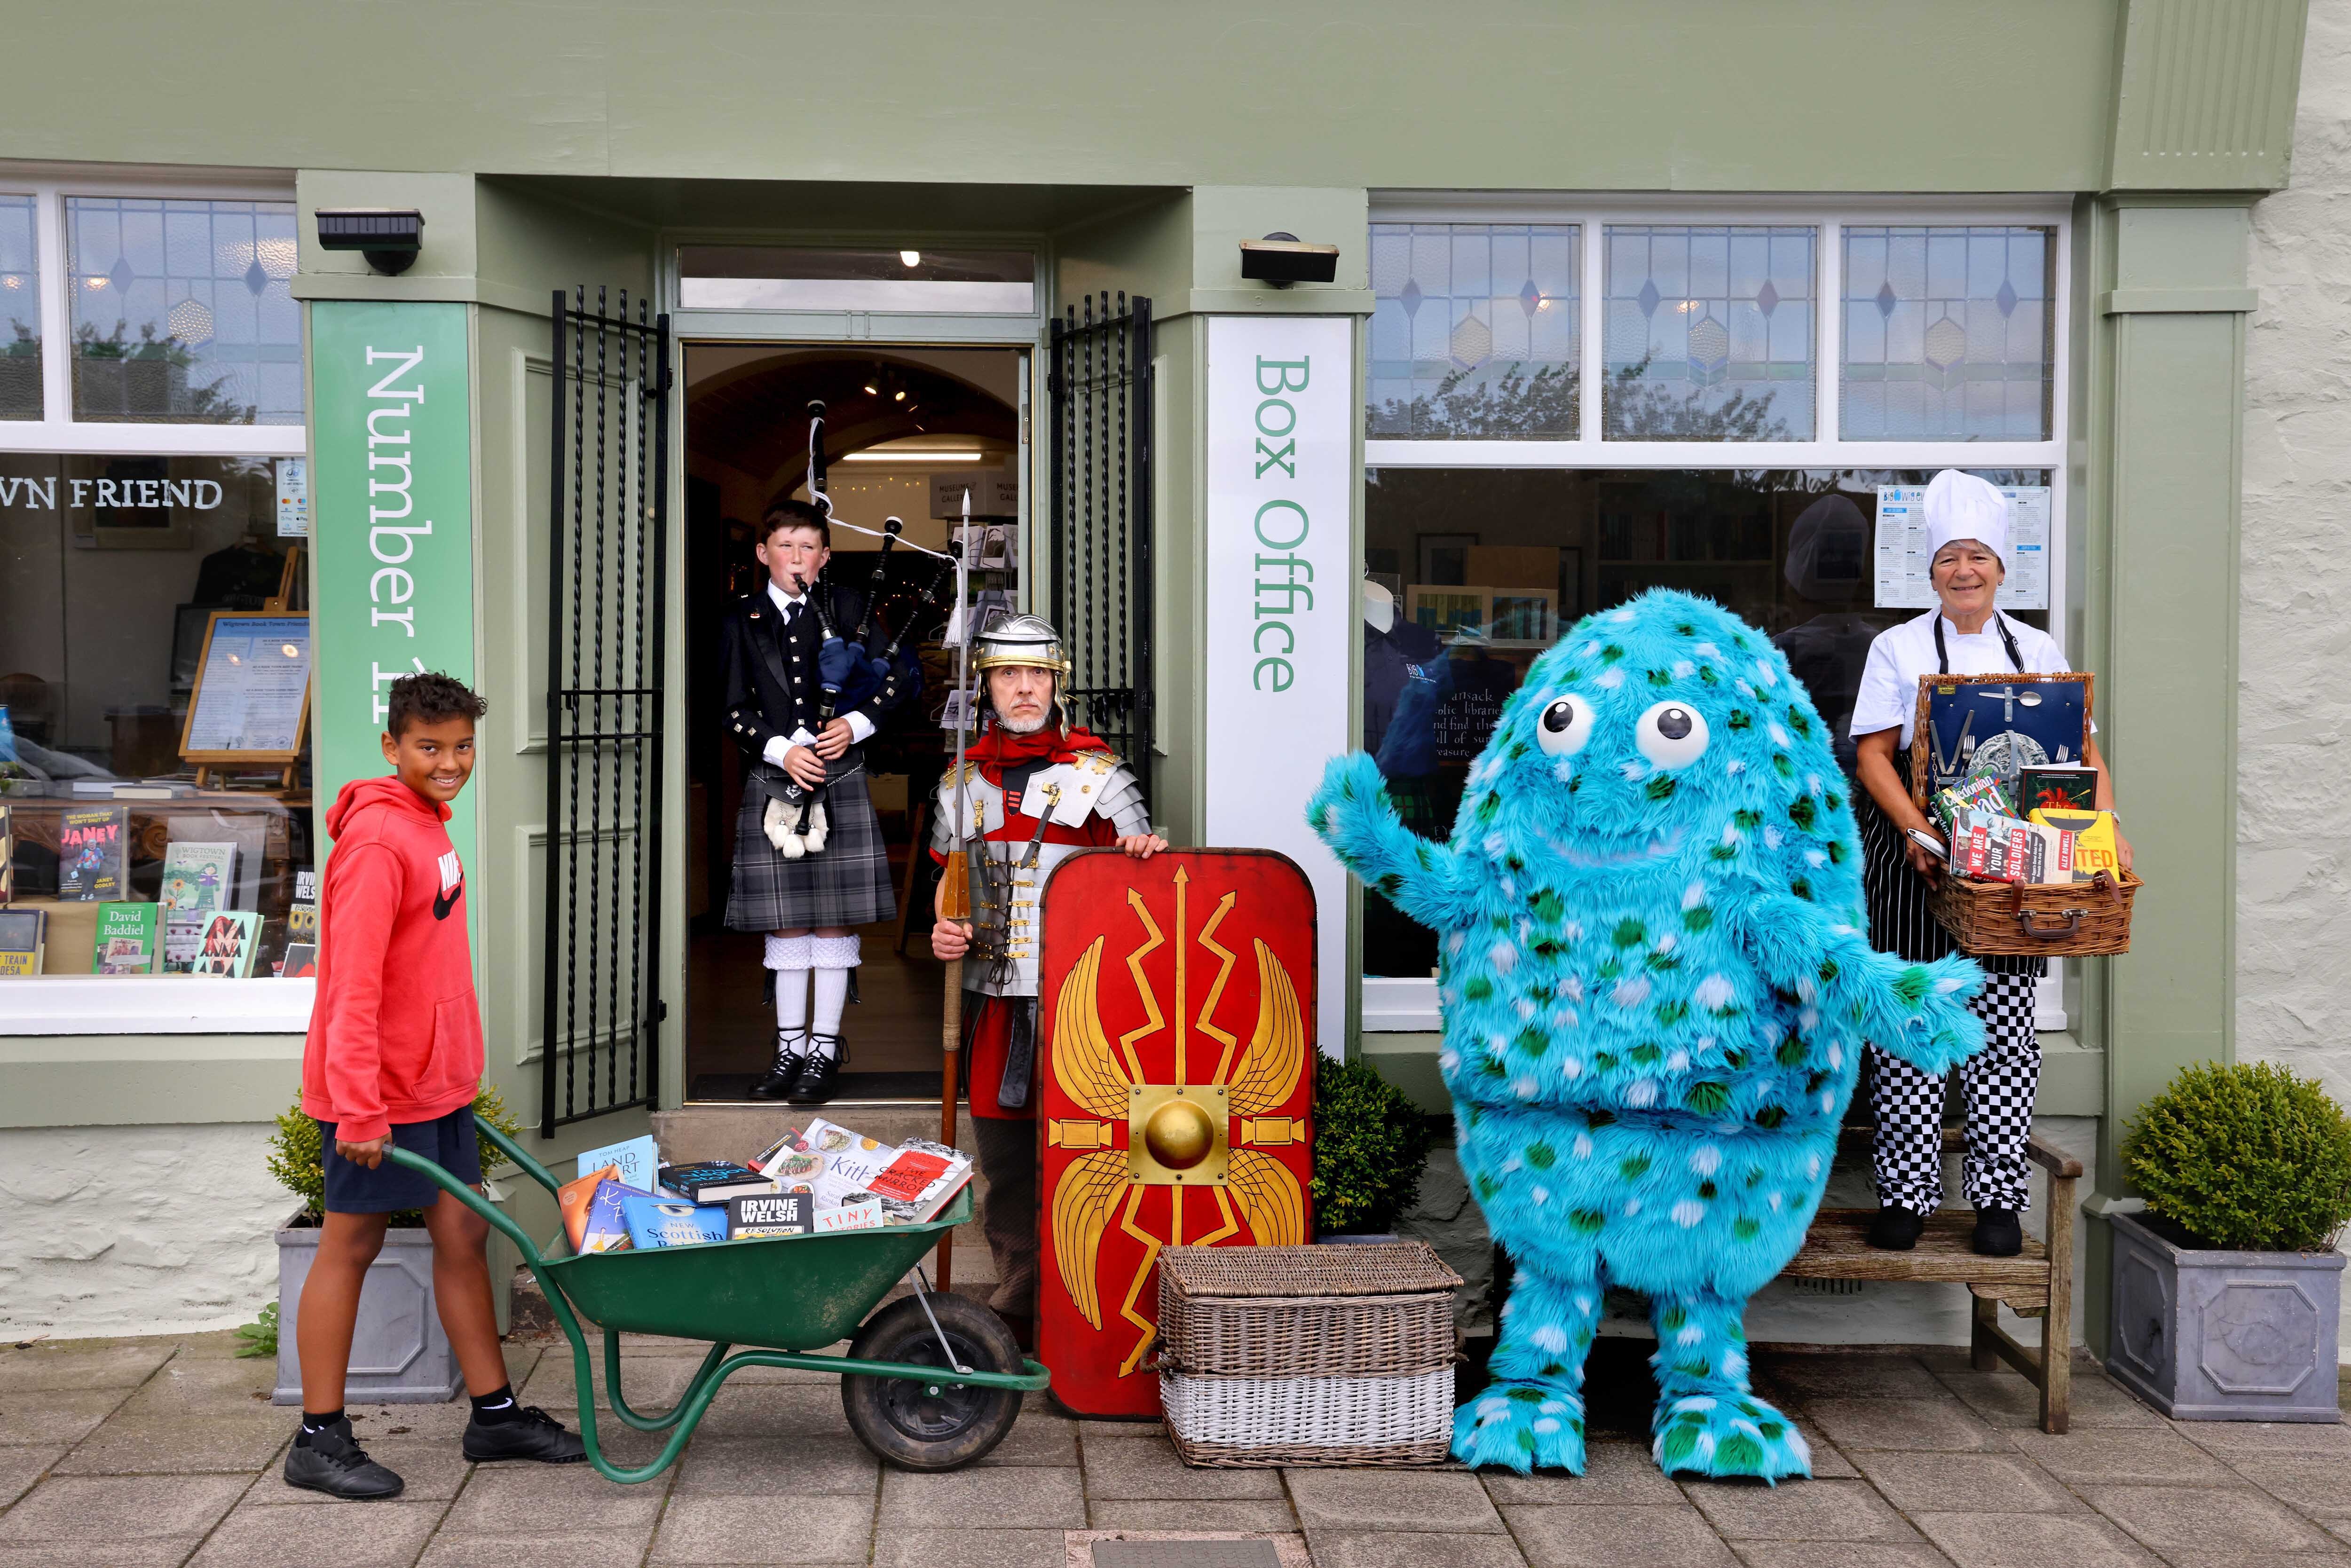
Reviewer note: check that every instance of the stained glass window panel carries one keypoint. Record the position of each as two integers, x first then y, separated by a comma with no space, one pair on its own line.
1475,332
184,311
20,311
1710,333
1949,333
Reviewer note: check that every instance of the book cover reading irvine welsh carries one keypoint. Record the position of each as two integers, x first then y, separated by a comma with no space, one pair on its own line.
126,939
92,849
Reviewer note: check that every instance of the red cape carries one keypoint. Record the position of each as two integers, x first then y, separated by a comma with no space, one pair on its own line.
998,749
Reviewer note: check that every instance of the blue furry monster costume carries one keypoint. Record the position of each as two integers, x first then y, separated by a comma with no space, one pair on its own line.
1657,979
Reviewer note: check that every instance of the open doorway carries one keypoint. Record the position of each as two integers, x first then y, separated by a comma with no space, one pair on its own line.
907,432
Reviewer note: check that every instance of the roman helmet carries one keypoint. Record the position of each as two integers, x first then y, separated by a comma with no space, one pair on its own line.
1027,640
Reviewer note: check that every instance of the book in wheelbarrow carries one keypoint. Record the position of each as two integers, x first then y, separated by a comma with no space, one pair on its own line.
1177,1030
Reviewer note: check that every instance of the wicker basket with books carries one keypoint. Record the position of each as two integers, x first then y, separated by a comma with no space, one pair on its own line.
2040,879
1307,1356
2054,920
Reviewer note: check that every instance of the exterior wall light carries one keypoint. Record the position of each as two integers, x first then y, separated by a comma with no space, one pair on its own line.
388,238
1282,259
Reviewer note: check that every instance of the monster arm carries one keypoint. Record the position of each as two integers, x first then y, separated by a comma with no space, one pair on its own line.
1915,1011
1432,883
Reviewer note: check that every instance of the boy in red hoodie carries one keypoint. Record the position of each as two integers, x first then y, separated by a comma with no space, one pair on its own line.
394,1057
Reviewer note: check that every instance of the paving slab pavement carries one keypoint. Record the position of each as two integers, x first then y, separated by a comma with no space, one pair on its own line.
165,1452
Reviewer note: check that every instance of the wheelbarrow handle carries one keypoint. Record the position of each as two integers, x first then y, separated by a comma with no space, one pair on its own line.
514,1150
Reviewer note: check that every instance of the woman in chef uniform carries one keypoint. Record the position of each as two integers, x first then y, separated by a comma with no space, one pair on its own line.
1966,528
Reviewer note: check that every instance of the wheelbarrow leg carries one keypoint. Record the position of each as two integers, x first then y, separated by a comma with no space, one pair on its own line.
621,1406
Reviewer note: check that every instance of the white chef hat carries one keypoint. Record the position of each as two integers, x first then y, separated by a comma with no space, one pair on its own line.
1962,506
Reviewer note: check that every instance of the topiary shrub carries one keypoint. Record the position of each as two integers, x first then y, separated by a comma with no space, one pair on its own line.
2247,1158
298,1154
1371,1143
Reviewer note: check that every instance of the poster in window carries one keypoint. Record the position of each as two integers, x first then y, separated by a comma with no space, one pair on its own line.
253,689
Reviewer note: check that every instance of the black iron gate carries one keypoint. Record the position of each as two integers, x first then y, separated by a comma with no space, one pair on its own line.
1101,382
609,471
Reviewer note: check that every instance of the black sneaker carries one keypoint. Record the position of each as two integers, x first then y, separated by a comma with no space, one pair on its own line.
820,1073
530,1433
1999,1234
1895,1228
790,1061
330,1460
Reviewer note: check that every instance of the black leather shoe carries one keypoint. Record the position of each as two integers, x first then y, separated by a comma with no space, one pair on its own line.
781,1079
819,1073
332,1462
530,1434
1895,1228
1999,1234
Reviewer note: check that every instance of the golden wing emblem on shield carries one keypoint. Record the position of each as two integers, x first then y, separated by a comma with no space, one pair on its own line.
1081,1054
1267,1191
1090,1188
1083,1200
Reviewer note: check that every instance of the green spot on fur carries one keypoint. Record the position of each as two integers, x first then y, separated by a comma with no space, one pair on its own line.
1534,1041
1834,800
1517,749
1911,984
1747,818
1724,852
1773,1430
1740,1454
1661,678
1611,652
1661,787
1707,1098
1802,813
1391,884
1740,719
1674,1452
1791,1051
1478,989
1735,1058
1707,677
1816,1082
1644,1054
1611,968
1781,766
1541,1156
1685,629
1635,1167
1673,1318
1664,963
1802,887
1672,1013
1547,906
1797,721
1588,1220
1547,948
1526,1439
1836,852
1697,919
1600,1118
1829,970
1605,1061
1420,853
1744,1228
1693,1368
1489,808
1629,933
1526,1395
1705,1191
1486,1187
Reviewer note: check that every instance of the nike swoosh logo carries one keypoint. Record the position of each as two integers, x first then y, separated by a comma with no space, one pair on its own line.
443,902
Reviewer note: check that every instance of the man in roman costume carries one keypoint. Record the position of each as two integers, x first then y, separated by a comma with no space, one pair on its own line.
1032,790
804,889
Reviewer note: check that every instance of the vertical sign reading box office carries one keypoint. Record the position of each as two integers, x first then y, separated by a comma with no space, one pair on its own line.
1279,594
391,492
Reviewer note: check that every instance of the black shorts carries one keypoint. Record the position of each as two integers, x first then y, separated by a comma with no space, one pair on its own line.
449,1142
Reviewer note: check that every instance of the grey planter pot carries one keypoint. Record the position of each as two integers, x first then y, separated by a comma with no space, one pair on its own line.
2224,1336
400,1356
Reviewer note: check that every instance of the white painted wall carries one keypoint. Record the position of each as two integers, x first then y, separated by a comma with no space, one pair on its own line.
149,1229
2293,774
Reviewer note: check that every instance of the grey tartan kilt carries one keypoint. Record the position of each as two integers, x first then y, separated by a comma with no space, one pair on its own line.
847,882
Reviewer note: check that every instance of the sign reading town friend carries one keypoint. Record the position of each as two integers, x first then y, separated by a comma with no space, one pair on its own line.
391,523
1281,400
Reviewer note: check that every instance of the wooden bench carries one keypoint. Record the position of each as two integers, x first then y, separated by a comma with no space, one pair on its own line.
2039,1282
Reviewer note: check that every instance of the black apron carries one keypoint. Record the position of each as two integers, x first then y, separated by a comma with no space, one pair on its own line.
1901,919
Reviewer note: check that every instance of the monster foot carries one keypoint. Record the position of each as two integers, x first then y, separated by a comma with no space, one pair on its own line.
1724,1434
1520,1425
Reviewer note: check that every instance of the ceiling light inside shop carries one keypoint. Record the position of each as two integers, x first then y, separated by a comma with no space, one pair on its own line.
873,392
911,457
911,257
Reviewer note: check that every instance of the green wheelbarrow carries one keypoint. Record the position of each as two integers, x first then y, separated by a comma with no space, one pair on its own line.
931,1382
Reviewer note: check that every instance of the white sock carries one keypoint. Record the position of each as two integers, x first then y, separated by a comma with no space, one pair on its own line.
788,958
833,957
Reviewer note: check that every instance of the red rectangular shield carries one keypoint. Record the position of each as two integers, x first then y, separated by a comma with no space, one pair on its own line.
1177,1028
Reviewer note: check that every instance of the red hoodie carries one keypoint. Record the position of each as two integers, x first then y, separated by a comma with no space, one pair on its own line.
396,1031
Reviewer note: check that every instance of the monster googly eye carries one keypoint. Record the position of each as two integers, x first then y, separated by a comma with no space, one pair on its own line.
1565,726
1671,735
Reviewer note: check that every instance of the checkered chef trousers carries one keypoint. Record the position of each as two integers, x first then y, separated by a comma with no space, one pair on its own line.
1998,1085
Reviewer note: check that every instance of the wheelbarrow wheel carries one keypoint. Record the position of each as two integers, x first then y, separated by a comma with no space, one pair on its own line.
925,1426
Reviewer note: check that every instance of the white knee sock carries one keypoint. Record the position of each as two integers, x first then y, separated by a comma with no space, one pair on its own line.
834,957
788,958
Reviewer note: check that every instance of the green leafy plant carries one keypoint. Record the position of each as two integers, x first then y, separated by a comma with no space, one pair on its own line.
297,1154
1371,1143
2249,1158
260,1336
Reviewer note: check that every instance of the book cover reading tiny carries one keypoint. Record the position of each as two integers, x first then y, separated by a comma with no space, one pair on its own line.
126,939
92,844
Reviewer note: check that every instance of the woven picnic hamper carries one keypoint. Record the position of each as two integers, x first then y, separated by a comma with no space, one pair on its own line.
1308,1356
2055,920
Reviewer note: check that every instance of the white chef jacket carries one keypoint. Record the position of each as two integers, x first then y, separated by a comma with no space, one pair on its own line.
1889,698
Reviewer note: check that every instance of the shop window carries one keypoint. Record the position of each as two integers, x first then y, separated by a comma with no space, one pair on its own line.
1477,331
158,626
184,311
20,311
1710,333
786,277
1949,334
1485,567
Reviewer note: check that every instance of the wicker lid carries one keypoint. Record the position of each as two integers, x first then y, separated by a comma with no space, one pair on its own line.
1354,1269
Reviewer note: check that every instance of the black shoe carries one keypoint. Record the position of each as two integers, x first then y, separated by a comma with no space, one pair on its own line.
330,1460
791,1061
1998,1233
1895,1228
530,1433
820,1073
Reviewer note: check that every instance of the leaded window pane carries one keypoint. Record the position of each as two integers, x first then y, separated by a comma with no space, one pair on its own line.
1949,334
1710,333
20,311
1476,330
184,311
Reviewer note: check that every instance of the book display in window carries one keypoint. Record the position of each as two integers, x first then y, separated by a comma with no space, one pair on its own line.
130,938
21,932
226,948
252,700
7,847
92,853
